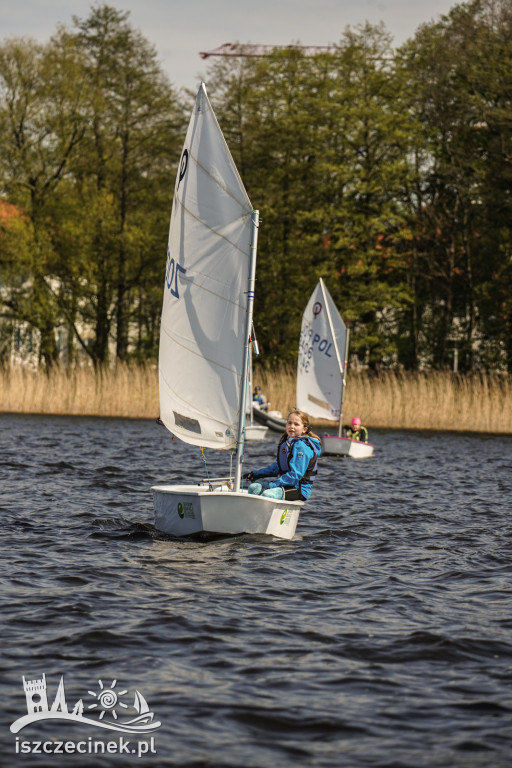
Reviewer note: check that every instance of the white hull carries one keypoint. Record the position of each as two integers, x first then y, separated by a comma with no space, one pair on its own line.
255,432
343,446
182,510
273,419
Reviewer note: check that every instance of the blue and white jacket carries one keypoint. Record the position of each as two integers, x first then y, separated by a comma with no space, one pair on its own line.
295,466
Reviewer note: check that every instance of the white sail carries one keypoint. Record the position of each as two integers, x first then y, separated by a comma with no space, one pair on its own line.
321,357
140,703
205,292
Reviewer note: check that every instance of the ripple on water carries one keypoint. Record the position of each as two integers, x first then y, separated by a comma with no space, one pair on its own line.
379,636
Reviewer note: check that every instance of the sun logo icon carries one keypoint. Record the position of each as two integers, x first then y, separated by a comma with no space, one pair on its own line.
108,699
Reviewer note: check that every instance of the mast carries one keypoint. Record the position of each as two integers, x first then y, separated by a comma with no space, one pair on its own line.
344,374
247,333
342,364
250,386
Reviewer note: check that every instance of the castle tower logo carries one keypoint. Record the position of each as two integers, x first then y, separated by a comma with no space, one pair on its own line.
35,691
104,709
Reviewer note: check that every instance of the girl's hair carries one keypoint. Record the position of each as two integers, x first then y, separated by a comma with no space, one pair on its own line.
305,420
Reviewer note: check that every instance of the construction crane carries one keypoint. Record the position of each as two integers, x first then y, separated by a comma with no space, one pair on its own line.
246,49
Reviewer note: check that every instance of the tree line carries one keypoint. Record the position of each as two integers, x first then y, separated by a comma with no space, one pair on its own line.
388,172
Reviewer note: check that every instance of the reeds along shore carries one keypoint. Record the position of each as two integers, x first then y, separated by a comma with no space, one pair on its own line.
393,400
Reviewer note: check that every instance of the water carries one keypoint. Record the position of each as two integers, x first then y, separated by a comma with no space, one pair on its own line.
380,636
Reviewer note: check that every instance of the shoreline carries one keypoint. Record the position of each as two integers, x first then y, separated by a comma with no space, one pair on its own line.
316,424
479,403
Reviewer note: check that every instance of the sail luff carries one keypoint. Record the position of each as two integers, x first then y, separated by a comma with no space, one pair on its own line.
341,363
326,297
344,383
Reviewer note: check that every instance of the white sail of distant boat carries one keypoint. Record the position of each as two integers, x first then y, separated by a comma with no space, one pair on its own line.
205,336
322,352
321,370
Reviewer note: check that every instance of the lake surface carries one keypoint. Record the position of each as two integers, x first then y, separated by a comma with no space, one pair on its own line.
380,636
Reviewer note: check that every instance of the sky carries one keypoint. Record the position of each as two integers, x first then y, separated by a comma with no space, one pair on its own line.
180,29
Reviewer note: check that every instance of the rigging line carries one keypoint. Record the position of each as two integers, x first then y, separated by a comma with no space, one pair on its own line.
210,486
253,341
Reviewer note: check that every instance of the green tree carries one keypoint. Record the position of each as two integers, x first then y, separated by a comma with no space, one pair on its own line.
491,81
459,75
124,175
41,125
322,151
91,133
369,218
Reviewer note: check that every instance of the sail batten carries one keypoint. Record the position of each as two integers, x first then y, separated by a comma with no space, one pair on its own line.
217,232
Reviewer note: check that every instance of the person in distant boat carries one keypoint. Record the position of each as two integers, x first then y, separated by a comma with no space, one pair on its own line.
259,398
295,467
356,431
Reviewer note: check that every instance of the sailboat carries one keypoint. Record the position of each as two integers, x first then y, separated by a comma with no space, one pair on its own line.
321,371
141,706
205,338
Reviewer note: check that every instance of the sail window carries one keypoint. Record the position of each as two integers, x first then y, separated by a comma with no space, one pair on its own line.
185,422
319,402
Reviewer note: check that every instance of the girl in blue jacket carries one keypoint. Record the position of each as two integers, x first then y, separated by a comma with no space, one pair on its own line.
295,467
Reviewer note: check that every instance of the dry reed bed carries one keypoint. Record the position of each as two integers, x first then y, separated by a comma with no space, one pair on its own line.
123,391
435,400
480,403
